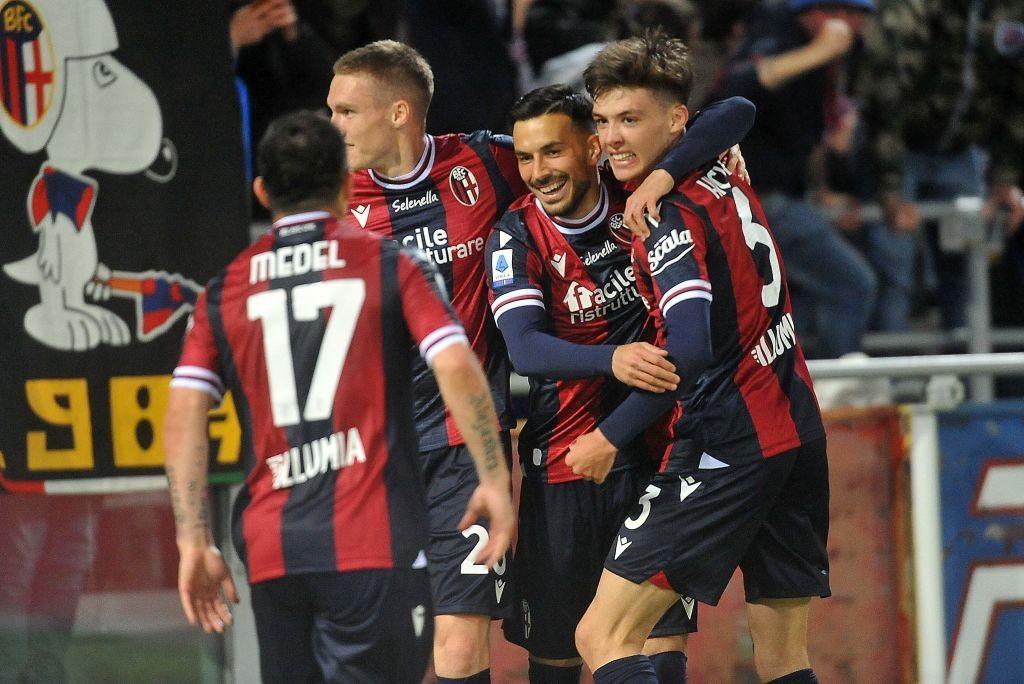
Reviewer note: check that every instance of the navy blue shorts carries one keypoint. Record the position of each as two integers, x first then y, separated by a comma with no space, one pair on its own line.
358,626
565,531
691,529
460,584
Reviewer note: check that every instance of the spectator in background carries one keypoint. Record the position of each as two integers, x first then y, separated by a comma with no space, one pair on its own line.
563,36
467,47
790,65
348,24
844,185
282,62
942,85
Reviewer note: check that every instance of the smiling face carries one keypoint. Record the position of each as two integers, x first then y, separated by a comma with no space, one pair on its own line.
558,161
360,110
636,127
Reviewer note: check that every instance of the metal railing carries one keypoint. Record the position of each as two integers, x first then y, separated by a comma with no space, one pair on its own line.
961,229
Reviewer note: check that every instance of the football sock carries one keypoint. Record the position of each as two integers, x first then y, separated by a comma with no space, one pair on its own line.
541,673
635,669
670,666
799,677
482,677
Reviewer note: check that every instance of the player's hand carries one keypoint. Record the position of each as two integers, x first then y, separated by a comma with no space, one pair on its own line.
644,366
644,200
204,581
591,456
834,39
492,501
735,163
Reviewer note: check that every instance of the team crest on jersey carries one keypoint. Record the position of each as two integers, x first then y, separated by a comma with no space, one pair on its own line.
464,186
619,231
27,64
501,267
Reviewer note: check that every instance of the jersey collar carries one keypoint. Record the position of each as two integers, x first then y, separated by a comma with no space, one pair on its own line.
595,217
304,217
418,173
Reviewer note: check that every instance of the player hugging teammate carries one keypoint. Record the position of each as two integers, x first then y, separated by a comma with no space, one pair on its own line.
538,221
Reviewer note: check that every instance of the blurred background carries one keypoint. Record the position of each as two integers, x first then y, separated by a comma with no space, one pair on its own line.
887,152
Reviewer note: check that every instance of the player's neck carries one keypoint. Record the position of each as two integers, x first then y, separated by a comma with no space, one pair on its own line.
587,204
406,155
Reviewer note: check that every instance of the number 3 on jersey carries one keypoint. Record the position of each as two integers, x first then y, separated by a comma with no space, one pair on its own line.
345,297
755,234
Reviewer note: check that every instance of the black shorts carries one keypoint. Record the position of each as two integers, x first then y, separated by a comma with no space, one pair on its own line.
359,626
691,529
565,531
460,584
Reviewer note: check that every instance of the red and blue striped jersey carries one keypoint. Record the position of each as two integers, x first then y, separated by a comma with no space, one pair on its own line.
310,328
756,400
579,272
446,207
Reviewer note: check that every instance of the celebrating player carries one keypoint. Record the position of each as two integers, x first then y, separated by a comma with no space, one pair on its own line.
443,195
746,481
564,298
310,328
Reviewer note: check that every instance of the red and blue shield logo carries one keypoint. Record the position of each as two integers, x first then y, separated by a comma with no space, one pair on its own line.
27,64
464,186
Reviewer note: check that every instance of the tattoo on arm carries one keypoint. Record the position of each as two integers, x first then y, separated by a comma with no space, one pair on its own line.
483,425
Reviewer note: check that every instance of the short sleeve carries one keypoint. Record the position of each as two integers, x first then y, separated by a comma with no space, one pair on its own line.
428,313
675,257
513,268
199,367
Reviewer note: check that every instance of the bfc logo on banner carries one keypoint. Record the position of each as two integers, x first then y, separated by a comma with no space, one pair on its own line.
26,64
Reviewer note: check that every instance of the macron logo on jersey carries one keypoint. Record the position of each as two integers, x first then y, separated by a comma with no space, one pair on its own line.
558,261
362,213
665,247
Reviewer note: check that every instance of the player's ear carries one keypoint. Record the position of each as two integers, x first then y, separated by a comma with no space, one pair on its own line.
679,116
400,113
593,149
260,190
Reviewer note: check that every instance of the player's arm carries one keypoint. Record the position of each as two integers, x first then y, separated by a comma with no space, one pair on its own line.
685,303
517,304
464,388
195,388
465,391
716,128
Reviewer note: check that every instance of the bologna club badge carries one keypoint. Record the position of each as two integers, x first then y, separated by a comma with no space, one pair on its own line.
26,64
464,186
619,231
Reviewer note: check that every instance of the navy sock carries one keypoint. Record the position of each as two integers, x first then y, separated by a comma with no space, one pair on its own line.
670,666
799,677
549,674
482,677
635,669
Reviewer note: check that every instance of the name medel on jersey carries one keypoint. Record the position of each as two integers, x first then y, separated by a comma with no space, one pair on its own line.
446,207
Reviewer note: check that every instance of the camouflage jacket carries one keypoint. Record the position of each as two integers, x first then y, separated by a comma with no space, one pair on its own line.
914,92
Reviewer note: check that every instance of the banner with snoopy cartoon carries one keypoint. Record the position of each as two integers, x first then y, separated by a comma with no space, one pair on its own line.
123,191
